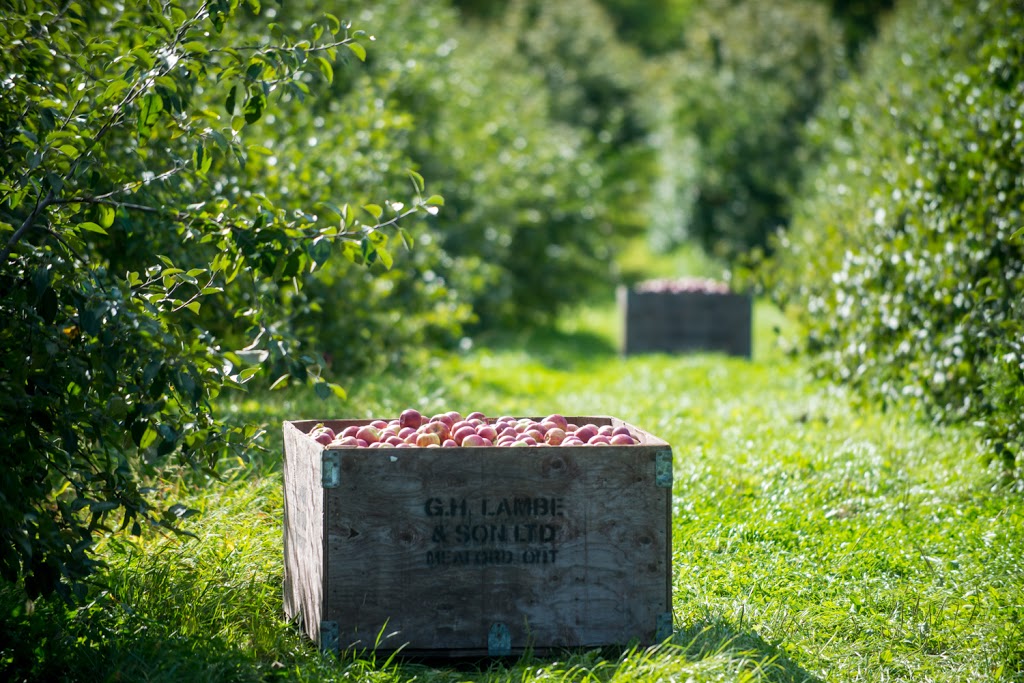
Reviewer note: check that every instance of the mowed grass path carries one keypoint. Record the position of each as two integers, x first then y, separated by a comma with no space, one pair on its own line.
815,538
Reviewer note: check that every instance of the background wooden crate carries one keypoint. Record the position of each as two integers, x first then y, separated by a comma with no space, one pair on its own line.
685,321
453,552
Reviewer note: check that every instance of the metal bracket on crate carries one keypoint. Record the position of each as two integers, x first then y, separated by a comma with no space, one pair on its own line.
329,636
499,640
663,629
663,468
330,469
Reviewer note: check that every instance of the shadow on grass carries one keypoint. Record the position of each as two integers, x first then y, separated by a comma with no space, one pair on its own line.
555,349
715,636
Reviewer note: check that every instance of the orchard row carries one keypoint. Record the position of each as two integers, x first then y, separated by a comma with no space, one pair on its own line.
451,430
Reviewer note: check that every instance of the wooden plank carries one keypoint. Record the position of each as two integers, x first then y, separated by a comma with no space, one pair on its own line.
303,530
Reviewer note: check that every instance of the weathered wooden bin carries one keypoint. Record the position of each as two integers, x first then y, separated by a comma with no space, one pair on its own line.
462,552
680,322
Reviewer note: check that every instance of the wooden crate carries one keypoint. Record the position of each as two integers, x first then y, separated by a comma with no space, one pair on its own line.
453,552
679,322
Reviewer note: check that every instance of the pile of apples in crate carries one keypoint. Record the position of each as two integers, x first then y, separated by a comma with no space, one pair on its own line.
686,284
452,430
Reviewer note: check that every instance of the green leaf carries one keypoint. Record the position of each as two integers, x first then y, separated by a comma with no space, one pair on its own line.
385,257
320,250
333,24
92,227
254,105
149,113
435,200
358,50
326,69
202,158
351,251
280,383
417,180
229,103
406,238
114,89
373,210
325,390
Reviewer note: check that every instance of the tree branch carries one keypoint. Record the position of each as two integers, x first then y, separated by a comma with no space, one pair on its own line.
27,225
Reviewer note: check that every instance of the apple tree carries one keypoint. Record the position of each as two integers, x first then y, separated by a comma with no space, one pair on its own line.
145,268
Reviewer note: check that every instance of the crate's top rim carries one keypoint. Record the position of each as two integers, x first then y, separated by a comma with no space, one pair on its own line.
633,291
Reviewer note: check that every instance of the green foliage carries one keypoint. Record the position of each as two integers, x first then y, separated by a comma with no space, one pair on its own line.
523,124
731,107
146,265
573,163
907,259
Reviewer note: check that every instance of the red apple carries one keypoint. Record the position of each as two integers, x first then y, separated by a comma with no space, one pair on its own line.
559,420
461,434
368,433
474,440
444,418
410,417
586,432
424,439
554,436
622,440
439,427
323,435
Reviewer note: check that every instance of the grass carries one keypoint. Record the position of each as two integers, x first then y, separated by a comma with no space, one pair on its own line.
815,537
